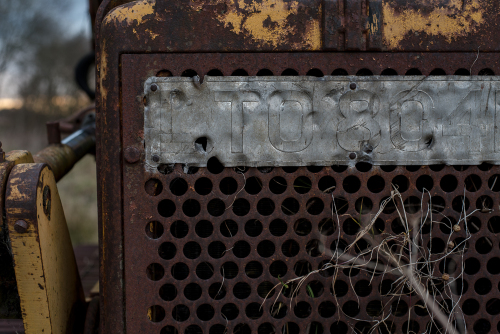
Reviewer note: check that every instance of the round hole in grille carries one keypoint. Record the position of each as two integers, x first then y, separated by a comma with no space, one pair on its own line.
401,183
214,166
203,186
302,185
156,313
420,309
264,72
180,313
482,326
363,327
277,185
339,327
363,205
339,168
242,290
290,248
192,250
169,330
217,291
242,329
192,291
278,310
228,186
265,248
168,292
412,204
253,185
327,184
493,306
278,268
327,309
254,311
166,208
339,205
484,245
363,288
314,289
376,184
494,183
326,226
193,329
350,308
204,270
472,266
205,312
155,271
254,269
290,206
241,207
290,328
216,249
178,186
191,207
482,286
230,311
265,289
302,227
470,306
300,268
351,184
278,227
314,248
180,271
266,328
449,183
228,228
351,226
204,228
154,230
399,308
326,268
447,266
167,250
484,203
253,228
315,206
424,182
265,206
460,203
216,207
217,329
179,229
493,266
493,224
153,187
229,270
473,183
241,249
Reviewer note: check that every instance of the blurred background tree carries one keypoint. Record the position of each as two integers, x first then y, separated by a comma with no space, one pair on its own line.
40,44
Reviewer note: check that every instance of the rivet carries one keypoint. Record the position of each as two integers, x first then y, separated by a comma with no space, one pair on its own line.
156,158
352,155
154,87
21,226
352,86
132,154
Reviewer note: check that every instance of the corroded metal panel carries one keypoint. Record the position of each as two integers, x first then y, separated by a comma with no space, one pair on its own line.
300,121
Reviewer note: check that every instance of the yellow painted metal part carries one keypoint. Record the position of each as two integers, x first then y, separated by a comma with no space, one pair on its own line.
47,276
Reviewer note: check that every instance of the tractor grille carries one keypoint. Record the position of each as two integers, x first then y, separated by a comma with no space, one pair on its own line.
217,240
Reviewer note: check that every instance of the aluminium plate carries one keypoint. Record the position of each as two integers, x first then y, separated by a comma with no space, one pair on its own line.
300,121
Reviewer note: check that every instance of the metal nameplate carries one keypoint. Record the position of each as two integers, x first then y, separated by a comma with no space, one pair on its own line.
297,121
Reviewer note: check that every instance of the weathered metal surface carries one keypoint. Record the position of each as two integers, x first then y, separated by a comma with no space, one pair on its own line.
239,25
49,285
300,121
140,39
220,216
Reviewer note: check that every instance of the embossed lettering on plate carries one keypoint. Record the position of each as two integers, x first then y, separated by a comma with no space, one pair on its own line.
298,121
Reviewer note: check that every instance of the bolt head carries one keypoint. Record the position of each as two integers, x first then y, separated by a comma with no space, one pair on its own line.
132,155
21,226
352,86
154,87
352,155
156,158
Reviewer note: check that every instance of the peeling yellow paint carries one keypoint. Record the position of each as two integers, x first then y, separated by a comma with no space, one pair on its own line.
266,22
313,36
450,21
131,13
374,26
151,34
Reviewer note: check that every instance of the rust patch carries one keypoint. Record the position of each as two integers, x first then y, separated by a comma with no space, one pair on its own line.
450,21
267,23
136,12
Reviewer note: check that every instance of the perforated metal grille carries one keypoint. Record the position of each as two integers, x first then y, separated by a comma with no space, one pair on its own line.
212,242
